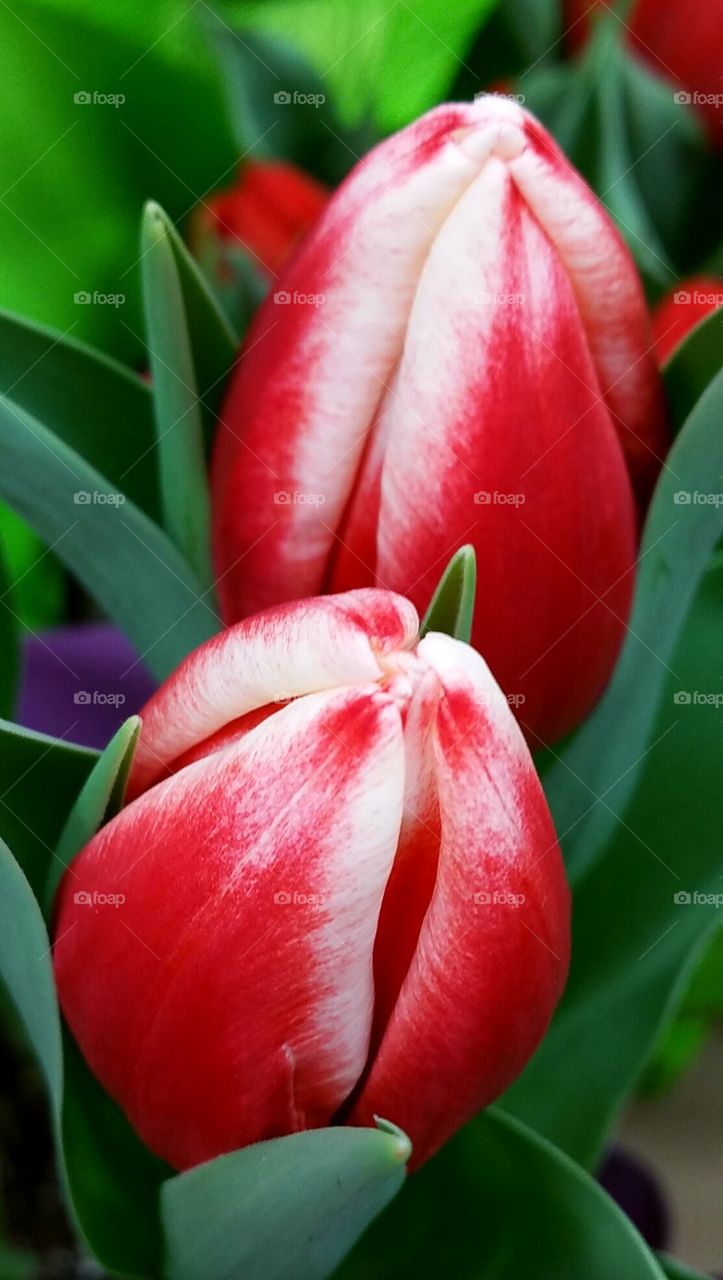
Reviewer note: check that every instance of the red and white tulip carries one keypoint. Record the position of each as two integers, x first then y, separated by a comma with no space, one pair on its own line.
458,352
335,891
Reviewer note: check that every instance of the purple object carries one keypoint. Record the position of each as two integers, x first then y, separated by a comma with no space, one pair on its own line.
639,1195
81,682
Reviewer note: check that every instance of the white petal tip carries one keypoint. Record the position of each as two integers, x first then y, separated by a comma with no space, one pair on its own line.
505,140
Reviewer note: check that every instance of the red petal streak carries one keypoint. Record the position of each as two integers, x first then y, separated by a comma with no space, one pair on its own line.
485,977
215,1014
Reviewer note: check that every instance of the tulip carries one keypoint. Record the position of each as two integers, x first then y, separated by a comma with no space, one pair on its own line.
266,211
679,40
459,352
681,310
334,893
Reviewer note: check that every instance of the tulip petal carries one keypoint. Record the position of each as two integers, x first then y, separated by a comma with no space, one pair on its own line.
312,373
308,645
233,987
489,967
497,436
609,295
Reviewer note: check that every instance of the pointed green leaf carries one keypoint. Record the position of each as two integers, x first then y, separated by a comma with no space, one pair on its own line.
111,1181
264,72
33,765
213,341
651,897
99,408
497,1203
680,535
130,567
177,408
281,1209
99,800
452,606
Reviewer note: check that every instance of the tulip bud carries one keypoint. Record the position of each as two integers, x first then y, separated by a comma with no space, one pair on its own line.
335,891
459,352
679,41
265,212
682,309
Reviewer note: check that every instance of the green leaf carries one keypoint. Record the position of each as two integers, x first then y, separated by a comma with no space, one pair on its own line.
382,63
179,425
636,946
594,775
692,366
212,339
281,1209
26,970
111,1181
235,278
515,38
452,605
96,406
33,765
130,567
263,71
499,1202
114,1181
75,174
38,579
99,800
676,1270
